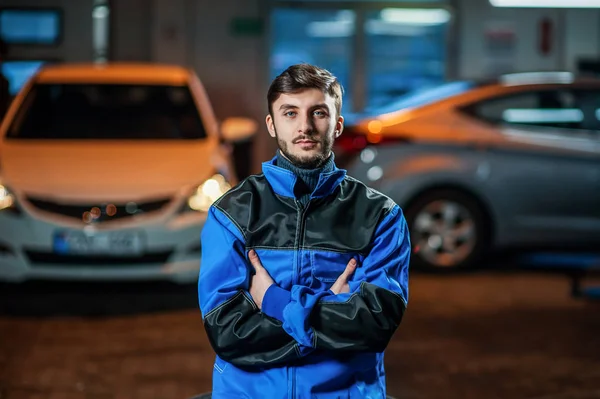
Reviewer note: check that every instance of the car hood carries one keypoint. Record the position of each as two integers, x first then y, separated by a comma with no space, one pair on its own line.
105,171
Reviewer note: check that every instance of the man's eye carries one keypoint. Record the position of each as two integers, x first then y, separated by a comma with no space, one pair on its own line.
290,113
319,113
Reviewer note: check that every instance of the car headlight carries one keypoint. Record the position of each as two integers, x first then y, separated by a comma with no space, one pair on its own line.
207,193
7,200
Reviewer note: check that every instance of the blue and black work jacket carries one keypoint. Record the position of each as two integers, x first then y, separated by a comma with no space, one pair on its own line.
306,342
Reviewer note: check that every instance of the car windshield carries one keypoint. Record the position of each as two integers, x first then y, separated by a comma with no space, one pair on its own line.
412,99
421,97
107,111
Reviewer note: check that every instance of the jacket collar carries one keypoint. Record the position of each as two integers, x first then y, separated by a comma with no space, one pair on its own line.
283,181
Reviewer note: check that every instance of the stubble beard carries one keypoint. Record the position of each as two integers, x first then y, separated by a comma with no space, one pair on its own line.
315,160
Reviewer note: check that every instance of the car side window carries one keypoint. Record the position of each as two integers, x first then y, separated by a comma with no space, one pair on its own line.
589,102
564,109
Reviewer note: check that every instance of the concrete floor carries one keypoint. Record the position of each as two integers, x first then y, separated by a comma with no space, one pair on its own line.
482,335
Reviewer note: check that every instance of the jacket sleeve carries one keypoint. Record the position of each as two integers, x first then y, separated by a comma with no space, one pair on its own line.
363,319
238,332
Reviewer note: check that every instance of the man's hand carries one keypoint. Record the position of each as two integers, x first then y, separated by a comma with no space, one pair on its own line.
341,284
261,280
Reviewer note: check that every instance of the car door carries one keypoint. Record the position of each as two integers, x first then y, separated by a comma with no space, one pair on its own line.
546,171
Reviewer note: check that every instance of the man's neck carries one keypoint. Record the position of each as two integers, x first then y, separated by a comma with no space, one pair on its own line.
307,178
281,154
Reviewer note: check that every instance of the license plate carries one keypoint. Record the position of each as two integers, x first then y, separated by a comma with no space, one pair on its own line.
98,243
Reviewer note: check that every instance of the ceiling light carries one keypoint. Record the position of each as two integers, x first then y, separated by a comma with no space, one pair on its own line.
547,3
416,16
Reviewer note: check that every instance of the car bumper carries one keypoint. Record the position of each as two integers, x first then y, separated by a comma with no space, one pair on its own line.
171,251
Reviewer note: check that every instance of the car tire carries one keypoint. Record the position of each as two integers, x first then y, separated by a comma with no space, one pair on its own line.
449,231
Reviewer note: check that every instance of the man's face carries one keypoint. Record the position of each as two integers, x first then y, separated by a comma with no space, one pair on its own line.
305,125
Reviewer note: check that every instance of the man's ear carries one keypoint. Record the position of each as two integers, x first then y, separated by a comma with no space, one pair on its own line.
339,126
270,125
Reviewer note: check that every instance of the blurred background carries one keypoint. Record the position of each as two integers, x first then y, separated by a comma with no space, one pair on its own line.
124,120
379,50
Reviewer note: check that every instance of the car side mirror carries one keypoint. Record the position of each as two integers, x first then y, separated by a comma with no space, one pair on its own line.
236,129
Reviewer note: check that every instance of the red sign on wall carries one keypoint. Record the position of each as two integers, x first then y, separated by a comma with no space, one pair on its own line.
545,36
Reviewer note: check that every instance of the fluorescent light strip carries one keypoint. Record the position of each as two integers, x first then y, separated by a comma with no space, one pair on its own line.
342,28
415,16
377,27
547,3
542,115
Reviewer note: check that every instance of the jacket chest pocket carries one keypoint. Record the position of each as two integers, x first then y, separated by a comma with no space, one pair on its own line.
326,267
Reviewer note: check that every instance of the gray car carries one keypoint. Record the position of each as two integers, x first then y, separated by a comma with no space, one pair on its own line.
482,166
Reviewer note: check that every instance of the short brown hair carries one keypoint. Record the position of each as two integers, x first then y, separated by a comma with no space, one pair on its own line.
305,76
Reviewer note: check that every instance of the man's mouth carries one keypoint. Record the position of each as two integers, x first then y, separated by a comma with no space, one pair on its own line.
306,144
304,141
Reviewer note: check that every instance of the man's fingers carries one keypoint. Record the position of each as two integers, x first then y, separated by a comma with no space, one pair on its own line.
341,284
254,259
336,287
350,268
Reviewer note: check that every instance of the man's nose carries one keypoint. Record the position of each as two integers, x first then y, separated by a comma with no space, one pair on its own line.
306,124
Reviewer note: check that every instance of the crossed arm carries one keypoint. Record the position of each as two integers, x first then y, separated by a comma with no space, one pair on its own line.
261,280
252,322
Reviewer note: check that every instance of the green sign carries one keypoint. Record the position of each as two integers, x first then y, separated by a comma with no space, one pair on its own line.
247,26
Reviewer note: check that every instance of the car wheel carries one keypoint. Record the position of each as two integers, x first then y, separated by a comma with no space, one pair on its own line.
447,229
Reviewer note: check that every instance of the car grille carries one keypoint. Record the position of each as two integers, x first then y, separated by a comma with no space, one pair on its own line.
5,249
42,258
98,212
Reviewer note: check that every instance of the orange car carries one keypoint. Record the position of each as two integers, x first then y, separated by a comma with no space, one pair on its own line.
106,172
479,166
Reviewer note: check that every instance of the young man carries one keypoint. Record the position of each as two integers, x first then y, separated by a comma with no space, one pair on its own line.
304,273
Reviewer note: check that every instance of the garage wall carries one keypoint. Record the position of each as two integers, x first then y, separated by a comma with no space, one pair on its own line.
233,64
573,34
77,38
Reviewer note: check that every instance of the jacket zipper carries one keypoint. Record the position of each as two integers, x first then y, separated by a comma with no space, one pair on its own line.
297,260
